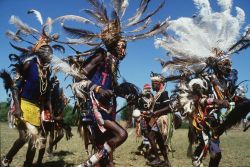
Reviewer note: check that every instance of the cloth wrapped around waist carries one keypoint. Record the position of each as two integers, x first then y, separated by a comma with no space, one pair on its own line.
164,124
31,112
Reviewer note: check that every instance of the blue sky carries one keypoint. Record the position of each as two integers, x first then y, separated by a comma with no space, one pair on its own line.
139,62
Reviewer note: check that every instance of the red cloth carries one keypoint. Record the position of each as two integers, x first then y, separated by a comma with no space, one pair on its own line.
146,86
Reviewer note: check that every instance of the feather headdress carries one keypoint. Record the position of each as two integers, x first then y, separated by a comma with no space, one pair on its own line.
34,37
207,34
113,28
156,77
23,32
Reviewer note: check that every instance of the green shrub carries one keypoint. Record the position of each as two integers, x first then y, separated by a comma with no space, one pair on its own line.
68,116
4,107
184,125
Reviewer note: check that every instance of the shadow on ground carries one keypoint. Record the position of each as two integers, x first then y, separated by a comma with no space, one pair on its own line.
62,153
60,163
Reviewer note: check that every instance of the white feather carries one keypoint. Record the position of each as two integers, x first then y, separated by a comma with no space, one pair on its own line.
138,13
247,32
77,40
144,26
195,38
37,14
59,65
13,36
22,26
120,6
74,18
225,4
124,7
48,24
203,6
185,99
240,15
197,81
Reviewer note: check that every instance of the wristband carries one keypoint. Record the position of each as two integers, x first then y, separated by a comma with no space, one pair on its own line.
97,89
210,101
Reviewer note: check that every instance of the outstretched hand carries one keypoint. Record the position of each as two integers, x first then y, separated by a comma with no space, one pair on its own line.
222,103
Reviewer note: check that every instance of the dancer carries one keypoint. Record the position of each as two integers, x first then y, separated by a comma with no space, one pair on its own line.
30,92
203,52
161,121
145,107
100,72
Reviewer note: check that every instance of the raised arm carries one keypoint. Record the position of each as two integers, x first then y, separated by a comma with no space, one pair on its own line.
91,64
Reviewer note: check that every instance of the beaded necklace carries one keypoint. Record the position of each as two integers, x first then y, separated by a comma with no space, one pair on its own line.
42,78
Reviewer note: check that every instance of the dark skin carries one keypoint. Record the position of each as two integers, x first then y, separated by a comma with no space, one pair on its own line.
44,55
51,131
21,125
198,93
18,113
156,86
120,135
156,136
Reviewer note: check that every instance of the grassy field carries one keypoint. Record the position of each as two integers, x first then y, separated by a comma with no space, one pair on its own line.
235,150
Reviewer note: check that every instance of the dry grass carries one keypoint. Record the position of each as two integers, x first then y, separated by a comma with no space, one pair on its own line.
235,146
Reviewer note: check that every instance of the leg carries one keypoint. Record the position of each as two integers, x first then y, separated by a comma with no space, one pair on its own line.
191,140
18,144
162,147
42,150
58,138
51,139
140,147
199,152
152,138
30,152
214,162
119,136
215,153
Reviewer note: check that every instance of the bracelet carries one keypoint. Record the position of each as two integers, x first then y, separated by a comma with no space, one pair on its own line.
97,89
210,101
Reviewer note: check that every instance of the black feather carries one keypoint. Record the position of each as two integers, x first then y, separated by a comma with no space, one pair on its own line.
7,80
97,16
240,45
149,15
17,68
139,12
79,33
100,9
243,43
245,46
114,15
158,28
59,48
23,50
14,58
235,116
127,88
118,7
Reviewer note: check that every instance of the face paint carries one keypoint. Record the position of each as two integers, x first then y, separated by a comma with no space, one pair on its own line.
121,49
146,91
197,90
225,67
45,55
156,86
